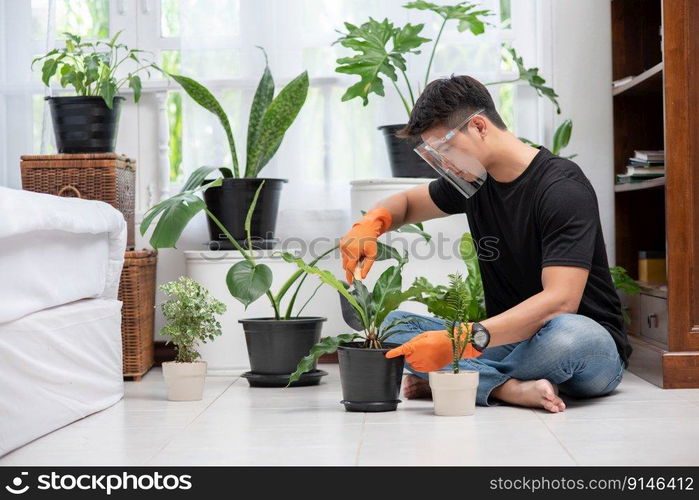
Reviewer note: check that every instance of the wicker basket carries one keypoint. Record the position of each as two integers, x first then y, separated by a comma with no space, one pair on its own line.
107,177
137,292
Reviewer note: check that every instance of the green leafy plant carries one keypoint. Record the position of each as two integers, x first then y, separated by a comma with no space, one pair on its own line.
191,317
529,75
91,67
457,300
246,280
381,49
270,117
370,308
435,296
625,284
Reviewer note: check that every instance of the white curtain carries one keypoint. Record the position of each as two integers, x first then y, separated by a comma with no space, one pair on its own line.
331,142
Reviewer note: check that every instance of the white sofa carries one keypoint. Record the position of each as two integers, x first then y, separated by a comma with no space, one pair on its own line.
60,320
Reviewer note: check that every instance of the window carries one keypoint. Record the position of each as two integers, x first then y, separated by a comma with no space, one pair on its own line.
215,41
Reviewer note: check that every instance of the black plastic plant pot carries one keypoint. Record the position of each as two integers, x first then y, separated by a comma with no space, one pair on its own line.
275,347
370,382
405,162
84,124
230,202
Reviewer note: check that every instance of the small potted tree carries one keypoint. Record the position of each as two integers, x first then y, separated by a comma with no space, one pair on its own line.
270,117
454,391
191,318
89,121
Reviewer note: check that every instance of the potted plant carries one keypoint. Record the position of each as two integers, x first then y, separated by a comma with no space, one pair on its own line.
275,343
380,50
191,318
370,382
454,391
89,121
269,119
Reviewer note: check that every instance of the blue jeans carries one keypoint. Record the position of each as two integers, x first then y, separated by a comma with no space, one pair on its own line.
572,351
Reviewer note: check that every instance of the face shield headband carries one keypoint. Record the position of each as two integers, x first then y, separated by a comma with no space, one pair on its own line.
452,162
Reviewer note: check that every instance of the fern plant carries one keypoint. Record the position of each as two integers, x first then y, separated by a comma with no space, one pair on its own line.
457,299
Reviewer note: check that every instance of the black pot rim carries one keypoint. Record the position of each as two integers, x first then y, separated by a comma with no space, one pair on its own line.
247,179
80,97
382,127
350,347
302,319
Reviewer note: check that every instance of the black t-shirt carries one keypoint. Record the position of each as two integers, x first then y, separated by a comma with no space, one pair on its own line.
548,216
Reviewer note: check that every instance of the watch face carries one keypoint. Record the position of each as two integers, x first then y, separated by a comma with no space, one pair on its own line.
481,339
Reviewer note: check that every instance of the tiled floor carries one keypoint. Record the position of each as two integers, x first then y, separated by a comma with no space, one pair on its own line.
234,424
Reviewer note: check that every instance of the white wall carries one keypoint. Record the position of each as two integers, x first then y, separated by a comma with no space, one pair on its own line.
580,57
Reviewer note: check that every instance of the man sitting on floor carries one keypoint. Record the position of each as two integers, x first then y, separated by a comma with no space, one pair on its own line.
554,318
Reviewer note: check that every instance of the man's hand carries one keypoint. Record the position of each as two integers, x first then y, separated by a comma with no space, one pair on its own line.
359,244
430,351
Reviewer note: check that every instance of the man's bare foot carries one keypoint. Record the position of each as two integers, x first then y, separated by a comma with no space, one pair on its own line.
532,393
415,387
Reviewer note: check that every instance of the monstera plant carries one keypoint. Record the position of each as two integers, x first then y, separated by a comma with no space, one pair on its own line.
381,50
269,119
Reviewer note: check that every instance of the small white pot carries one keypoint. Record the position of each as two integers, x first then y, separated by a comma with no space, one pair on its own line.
185,381
454,394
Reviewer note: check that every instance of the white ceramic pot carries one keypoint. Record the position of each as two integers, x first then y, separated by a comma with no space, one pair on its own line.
184,381
454,394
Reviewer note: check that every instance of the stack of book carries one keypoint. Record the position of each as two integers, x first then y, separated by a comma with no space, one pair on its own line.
642,166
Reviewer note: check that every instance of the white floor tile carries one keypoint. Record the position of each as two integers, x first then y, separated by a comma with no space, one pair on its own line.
624,441
462,441
239,425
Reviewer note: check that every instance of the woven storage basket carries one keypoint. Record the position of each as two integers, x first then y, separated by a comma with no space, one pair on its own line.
137,292
107,177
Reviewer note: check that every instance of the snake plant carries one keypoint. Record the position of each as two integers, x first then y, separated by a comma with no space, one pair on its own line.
270,117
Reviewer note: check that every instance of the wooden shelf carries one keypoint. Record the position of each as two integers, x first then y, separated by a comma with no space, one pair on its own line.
648,81
636,186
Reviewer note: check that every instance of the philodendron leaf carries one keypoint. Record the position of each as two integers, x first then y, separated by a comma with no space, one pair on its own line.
197,178
388,284
260,103
277,119
327,345
531,76
385,252
176,212
374,57
469,19
247,282
202,96
416,228
328,278
561,137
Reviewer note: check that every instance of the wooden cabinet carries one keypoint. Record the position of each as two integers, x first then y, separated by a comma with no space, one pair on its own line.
656,42
653,318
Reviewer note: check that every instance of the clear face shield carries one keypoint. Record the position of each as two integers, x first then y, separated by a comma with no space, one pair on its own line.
452,162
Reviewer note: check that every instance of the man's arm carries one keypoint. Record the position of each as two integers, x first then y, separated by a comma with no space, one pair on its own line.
413,205
563,290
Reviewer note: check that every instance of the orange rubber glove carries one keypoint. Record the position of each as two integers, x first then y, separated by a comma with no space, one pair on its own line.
430,351
359,244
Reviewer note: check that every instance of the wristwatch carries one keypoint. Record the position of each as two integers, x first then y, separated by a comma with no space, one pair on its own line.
480,336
